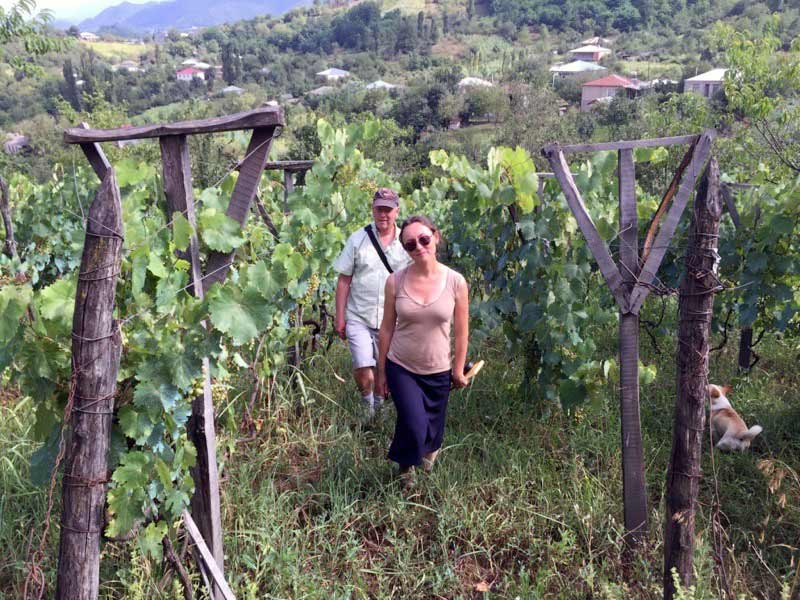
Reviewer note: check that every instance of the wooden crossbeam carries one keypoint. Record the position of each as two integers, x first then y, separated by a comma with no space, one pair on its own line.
611,274
629,144
266,116
296,166
700,155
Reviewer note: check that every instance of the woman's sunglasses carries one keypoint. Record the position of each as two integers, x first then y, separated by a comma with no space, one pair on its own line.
411,245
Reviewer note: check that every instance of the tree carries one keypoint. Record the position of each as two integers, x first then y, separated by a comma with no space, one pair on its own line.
231,63
761,86
70,88
21,23
470,9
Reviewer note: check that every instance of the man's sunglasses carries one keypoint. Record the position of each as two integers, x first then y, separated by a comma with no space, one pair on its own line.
411,245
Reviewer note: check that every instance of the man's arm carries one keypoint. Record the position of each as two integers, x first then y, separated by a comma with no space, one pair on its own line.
342,292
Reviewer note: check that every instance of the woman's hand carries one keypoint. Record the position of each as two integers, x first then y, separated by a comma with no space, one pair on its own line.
381,387
459,381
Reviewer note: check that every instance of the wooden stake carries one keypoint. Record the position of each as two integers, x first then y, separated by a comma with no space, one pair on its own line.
696,309
206,497
633,481
96,350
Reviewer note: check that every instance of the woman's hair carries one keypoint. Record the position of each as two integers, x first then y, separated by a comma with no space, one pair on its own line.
422,220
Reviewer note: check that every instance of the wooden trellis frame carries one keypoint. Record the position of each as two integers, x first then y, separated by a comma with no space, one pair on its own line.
630,282
85,478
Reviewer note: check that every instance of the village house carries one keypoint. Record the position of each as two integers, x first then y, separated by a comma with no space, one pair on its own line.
16,143
605,88
577,68
597,41
128,65
706,84
590,53
380,85
88,36
333,74
469,82
190,73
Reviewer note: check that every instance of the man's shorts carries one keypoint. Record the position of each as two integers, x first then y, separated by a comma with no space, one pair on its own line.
363,342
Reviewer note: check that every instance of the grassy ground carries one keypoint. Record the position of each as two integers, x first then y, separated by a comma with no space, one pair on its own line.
117,50
519,505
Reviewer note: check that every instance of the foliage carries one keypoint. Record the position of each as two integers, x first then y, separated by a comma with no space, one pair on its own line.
530,269
260,307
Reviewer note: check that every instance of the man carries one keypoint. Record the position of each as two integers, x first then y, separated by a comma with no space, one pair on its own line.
359,290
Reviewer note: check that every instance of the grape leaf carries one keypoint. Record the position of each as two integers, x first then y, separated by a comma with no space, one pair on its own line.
181,231
239,314
219,231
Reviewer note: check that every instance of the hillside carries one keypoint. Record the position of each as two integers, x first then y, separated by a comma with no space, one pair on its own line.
183,14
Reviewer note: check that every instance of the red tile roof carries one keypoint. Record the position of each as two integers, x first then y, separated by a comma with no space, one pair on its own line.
189,71
610,81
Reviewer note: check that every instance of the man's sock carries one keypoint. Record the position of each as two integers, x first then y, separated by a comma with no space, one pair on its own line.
368,400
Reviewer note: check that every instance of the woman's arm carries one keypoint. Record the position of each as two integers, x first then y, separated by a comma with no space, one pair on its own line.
385,334
461,327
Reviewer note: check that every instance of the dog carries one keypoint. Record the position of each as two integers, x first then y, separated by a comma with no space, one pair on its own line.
728,427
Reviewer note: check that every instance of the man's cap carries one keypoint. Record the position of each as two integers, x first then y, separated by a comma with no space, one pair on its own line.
386,197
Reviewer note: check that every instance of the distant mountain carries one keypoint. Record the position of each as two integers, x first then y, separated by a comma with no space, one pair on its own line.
115,15
182,14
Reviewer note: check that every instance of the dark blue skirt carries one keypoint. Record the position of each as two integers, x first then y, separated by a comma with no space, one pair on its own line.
421,402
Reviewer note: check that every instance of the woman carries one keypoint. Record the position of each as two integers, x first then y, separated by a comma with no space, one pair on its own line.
414,362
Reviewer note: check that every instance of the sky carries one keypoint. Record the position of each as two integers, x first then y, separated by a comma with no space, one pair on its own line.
73,9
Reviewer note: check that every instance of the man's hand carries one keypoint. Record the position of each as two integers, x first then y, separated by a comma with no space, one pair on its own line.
340,326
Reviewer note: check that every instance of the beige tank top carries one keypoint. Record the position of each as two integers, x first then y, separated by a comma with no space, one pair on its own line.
421,339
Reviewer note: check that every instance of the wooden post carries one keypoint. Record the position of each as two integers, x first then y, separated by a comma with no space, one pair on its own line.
630,284
10,244
95,360
206,499
696,309
633,481
288,188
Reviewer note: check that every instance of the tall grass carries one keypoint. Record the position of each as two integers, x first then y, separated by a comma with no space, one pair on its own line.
519,505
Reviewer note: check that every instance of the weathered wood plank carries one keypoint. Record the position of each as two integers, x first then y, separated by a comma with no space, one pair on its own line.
696,306
244,192
730,205
95,155
263,117
288,188
177,175
10,243
629,144
634,491
96,347
597,246
200,428
666,200
289,165
667,230
205,553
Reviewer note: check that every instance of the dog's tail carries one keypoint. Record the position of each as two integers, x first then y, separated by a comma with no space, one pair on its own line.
752,432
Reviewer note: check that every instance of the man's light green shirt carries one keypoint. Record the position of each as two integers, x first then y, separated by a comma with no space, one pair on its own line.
360,259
